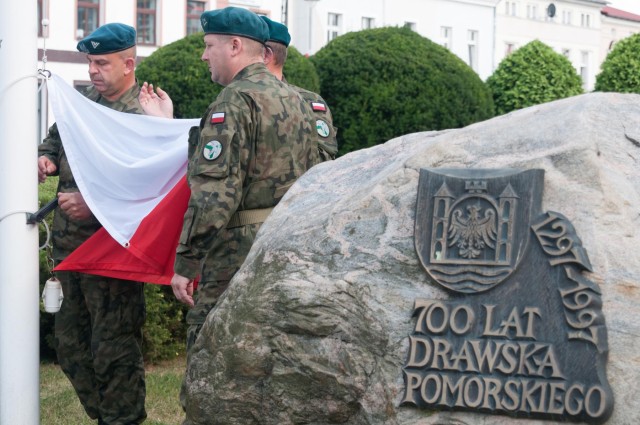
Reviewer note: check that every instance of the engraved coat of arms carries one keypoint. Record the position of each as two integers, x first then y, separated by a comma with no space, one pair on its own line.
473,226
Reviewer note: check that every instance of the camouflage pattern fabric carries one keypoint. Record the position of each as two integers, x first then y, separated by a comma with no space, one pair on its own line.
98,339
253,143
326,132
98,329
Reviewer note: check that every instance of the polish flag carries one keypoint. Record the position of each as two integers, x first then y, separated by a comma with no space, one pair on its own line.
319,106
131,171
217,118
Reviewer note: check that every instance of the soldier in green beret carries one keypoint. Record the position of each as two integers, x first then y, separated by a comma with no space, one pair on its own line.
275,59
253,142
98,330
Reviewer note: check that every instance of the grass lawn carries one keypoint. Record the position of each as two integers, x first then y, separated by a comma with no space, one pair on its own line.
59,404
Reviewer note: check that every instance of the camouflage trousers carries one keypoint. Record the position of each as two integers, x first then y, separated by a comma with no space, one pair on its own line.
98,338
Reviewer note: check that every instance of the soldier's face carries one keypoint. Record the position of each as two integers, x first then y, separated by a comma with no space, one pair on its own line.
107,73
216,55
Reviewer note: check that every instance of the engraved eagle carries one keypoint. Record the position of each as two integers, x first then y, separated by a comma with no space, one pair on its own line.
473,233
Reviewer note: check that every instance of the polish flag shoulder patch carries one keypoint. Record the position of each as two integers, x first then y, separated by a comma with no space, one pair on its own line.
217,118
318,107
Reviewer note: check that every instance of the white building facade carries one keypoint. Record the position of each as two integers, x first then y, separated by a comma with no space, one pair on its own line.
616,25
466,27
572,28
480,32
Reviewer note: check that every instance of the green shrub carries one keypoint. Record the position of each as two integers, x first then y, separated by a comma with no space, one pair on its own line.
165,331
385,82
178,69
532,75
621,69
299,71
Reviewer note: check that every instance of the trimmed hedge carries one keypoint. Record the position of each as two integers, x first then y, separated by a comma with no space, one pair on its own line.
532,75
385,82
300,71
178,69
621,69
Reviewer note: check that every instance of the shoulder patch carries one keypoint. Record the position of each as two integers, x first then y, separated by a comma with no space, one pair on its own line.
212,150
319,107
322,128
217,118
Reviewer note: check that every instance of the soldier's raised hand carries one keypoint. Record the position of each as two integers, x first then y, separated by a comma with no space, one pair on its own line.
155,102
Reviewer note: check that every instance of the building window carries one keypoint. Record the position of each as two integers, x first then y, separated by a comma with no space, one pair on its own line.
42,112
81,86
566,17
509,48
510,8
88,17
146,22
368,23
334,26
532,11
194,10
447,35
472,42
550,13
584,67
410,25
585,20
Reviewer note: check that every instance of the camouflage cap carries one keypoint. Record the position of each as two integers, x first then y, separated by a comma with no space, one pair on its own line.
235,21
108,38
278,32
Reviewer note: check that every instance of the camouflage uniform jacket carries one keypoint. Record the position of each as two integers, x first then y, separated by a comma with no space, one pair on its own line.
253,142
69,234
327,133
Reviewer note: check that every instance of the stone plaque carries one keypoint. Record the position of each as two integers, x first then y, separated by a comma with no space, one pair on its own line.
522,333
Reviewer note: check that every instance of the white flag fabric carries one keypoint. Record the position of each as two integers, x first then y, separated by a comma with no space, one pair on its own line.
124,164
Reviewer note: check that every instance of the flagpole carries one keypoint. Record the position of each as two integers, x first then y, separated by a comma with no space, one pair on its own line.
19,293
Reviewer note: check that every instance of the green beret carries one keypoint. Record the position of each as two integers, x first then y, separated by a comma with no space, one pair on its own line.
108,38
277,32
235,21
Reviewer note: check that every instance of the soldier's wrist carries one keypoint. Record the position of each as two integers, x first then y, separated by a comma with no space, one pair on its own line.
186,267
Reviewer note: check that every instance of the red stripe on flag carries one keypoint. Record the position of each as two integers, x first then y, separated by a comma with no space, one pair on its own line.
152,249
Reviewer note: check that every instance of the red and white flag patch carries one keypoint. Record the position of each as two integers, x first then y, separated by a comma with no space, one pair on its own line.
319,107
217,118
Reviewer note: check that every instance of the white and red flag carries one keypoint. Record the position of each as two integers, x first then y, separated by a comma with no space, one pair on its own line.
130,170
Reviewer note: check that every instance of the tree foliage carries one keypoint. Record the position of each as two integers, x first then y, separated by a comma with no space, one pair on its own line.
178,69
385,82
532,75
300,71
621,69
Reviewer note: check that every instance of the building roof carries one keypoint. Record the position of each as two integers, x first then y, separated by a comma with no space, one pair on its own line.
612,12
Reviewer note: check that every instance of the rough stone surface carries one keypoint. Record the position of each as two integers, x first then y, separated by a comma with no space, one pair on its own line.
314,328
